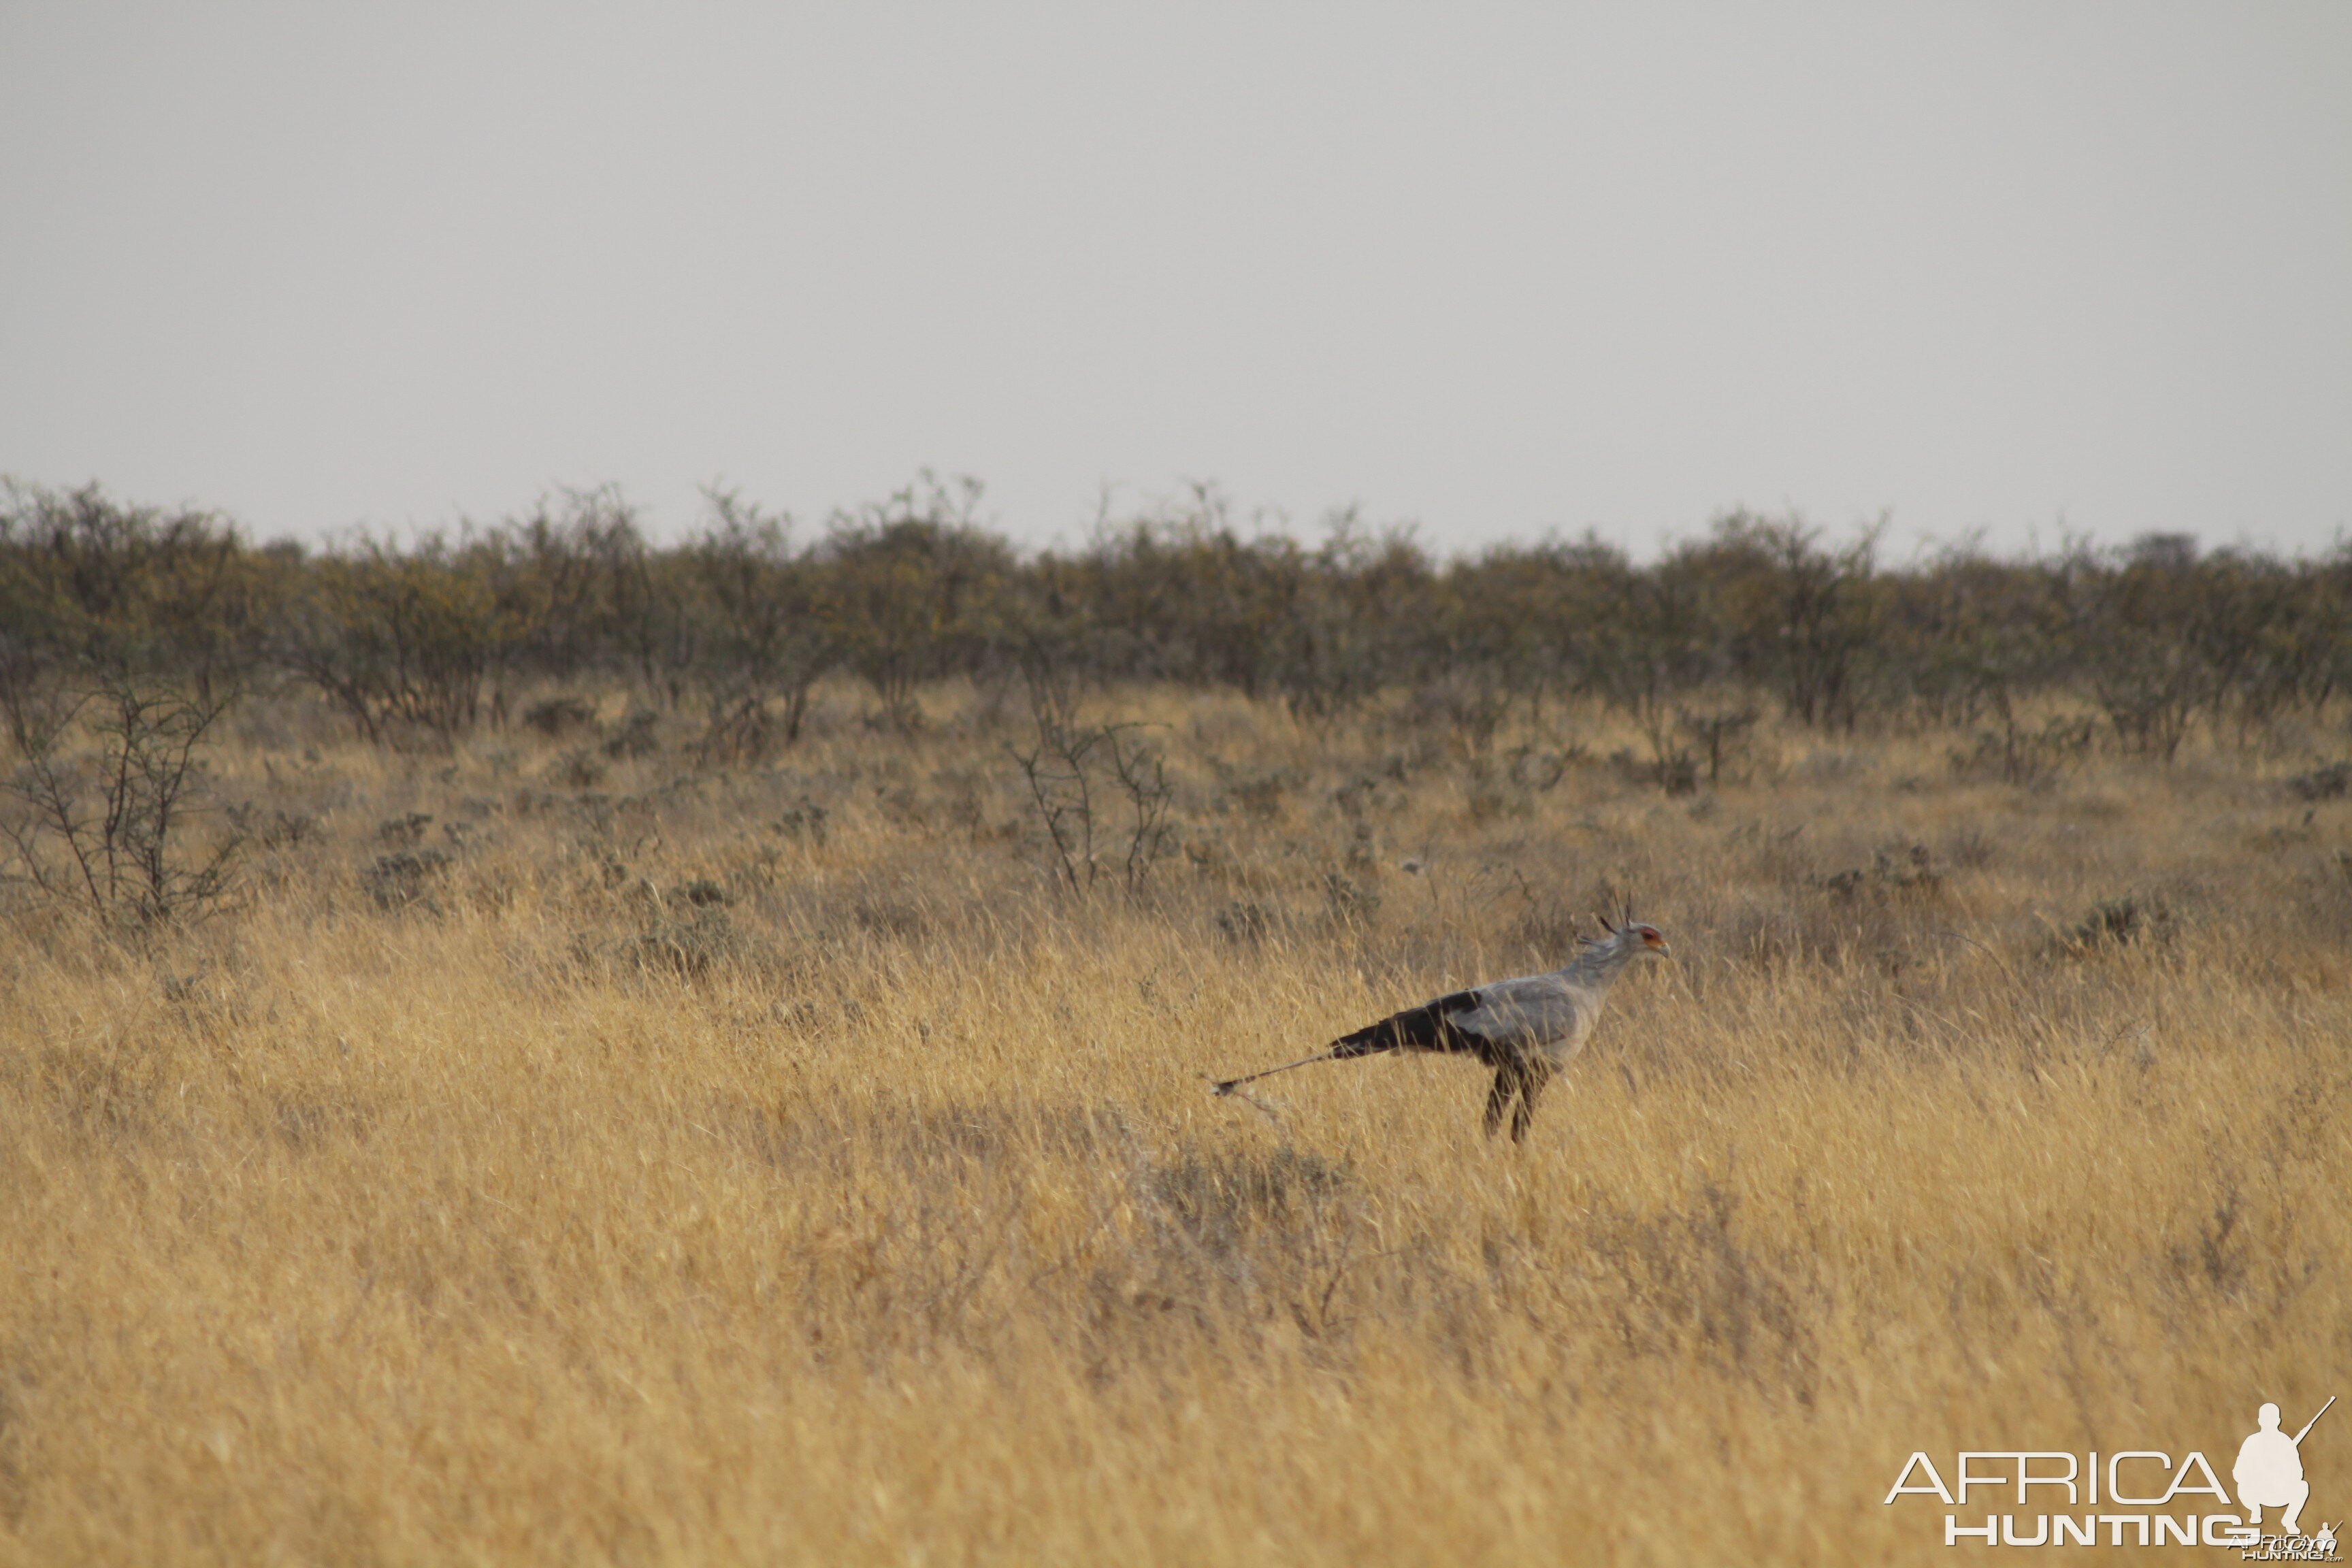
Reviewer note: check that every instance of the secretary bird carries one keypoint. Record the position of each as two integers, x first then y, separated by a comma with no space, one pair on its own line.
1526,1029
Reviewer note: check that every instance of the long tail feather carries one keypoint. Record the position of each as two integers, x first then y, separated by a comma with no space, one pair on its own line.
1231,1084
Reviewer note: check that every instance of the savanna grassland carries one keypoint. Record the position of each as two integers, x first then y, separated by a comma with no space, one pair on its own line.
553,1149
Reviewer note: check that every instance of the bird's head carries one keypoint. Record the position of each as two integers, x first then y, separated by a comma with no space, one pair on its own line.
1636,938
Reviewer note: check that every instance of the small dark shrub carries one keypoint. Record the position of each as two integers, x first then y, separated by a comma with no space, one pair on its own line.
2120,921
805,820
405,877
2032,758
97,812
1900,870
1721,736
581,768
691,945
1087,781
635,737
1906,868
404,831
559,716
1673,769
279,830
2332,782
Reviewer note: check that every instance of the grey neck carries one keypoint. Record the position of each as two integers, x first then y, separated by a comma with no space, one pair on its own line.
1601,962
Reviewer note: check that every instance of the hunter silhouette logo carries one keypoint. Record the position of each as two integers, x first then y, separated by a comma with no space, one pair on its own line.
2269,1471
2162,1496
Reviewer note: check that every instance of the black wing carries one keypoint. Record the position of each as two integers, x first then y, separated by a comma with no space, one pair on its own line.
1428,1027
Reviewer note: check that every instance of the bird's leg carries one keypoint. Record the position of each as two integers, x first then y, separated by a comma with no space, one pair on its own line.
1228,1085
1498,1099
1525,1115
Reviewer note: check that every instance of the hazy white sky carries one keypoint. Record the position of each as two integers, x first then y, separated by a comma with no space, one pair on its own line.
1494,270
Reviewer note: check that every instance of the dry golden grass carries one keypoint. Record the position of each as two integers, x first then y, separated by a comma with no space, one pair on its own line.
879,1215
